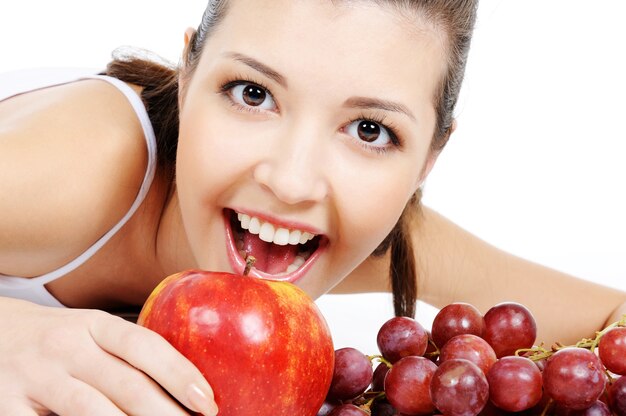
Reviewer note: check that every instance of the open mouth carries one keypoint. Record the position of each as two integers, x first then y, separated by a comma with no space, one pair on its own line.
280,253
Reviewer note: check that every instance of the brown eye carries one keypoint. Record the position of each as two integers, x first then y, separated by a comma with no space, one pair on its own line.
247,94
253,95
368,131
371,132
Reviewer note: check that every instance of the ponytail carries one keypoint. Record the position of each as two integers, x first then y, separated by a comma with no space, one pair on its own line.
402,267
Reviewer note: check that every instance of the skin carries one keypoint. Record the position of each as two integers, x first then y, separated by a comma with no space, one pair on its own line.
268,160
89,130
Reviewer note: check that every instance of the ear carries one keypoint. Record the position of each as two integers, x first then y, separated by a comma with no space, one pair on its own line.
188,35
183,65
428,166
432,158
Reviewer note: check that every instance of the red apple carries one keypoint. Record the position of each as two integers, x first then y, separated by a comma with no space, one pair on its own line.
262,345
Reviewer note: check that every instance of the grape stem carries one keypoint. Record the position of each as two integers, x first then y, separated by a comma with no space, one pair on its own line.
435,353
594,343
538,352
547,407
381,359
367,399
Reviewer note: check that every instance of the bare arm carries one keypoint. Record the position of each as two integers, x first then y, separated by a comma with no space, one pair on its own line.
63,161
455,265
71,161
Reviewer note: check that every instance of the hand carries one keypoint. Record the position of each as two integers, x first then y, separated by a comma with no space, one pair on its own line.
87,362
617,314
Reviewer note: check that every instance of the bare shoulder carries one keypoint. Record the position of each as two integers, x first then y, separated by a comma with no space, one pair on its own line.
72,158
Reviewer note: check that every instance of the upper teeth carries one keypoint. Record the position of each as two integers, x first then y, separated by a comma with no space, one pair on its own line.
271,233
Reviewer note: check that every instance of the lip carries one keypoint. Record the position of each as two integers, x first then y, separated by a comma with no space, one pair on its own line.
238,264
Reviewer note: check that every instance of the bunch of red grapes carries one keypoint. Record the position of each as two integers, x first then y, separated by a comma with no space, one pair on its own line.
470,364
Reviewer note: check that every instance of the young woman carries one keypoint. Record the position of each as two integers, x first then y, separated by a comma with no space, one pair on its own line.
292,131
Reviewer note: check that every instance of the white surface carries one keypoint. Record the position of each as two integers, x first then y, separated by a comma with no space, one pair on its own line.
536,166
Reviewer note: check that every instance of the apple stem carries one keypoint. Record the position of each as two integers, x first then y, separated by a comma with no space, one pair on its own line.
249,263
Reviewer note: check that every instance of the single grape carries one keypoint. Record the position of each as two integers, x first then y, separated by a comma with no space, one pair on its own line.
407,385
574,378
456,319
459,388
598,408
509,326
352,375
617,396
401,336
515,384
469,347
378,380
612,350
347,410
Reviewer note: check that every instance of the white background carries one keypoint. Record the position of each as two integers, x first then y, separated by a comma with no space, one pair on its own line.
536,166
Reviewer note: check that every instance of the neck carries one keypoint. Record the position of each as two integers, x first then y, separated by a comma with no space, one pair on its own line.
172,251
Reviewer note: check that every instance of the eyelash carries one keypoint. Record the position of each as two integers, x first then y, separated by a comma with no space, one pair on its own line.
391,129
239,80
376,118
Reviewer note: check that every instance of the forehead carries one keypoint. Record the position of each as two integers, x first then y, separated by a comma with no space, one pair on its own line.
342,43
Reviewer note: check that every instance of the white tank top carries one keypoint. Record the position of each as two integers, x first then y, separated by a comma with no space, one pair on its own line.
19,82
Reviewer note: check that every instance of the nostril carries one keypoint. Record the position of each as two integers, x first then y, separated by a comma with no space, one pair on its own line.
293,185
261,174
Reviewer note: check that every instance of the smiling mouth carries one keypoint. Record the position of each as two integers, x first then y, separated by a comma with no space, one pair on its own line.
278,251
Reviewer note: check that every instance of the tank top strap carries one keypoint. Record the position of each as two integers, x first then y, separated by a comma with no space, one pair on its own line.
148,131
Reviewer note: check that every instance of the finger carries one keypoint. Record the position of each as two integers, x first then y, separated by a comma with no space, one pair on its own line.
152,354
68,396
130,389
15,408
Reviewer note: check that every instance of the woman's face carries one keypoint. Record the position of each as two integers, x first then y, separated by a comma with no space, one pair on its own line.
308,119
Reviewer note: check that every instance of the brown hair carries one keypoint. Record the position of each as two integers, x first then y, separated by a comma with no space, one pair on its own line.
454,18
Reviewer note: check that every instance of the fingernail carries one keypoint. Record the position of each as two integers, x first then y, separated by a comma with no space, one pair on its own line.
201,402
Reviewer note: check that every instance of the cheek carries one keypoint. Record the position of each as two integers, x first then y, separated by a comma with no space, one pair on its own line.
216,146
201,174
372,219
206,158
207,173
370,205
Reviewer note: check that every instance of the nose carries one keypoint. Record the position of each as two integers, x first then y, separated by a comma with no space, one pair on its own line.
294,169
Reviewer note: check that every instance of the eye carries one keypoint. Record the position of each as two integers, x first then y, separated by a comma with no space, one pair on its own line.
371,132
247,94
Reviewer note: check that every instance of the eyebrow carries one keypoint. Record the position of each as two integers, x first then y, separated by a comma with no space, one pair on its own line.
353,102
376,103
258,66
